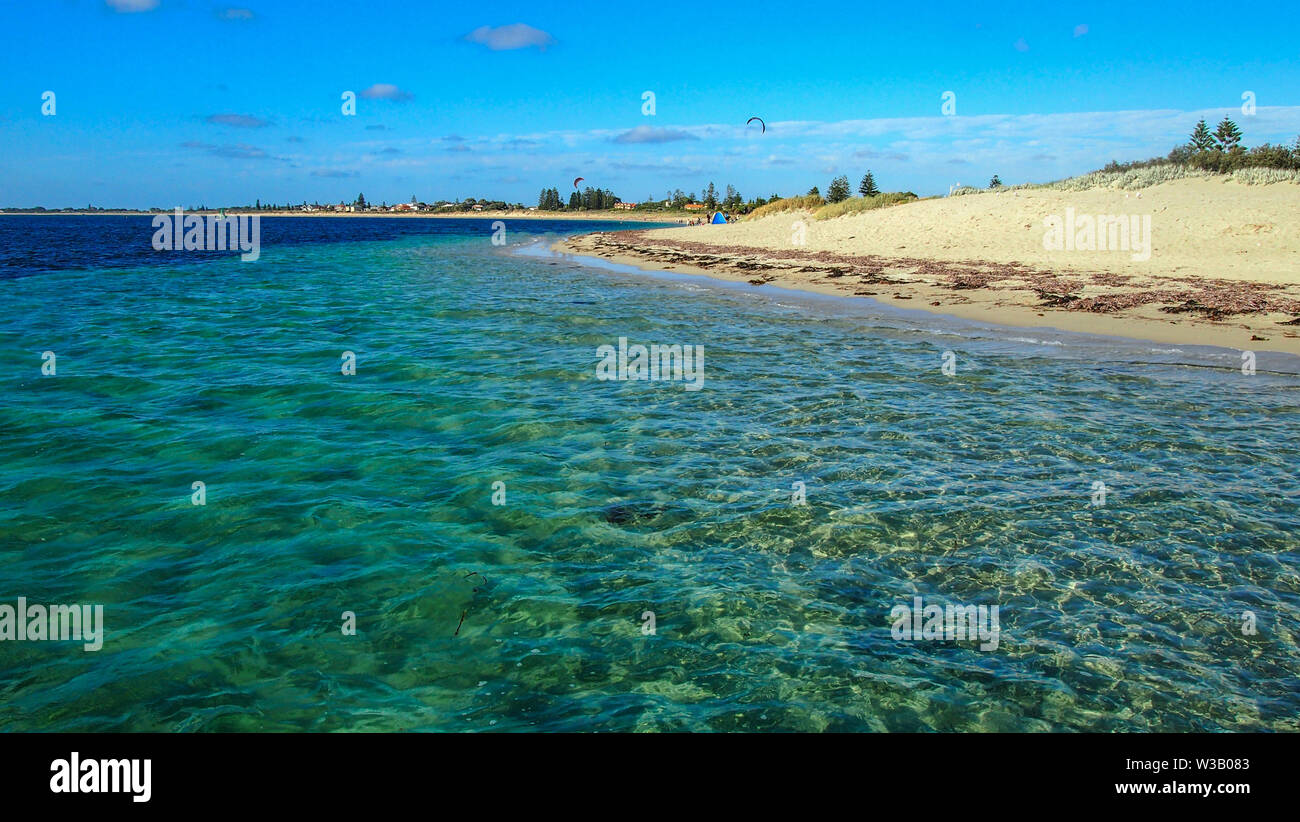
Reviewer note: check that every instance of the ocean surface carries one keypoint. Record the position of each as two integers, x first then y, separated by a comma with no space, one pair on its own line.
1171,603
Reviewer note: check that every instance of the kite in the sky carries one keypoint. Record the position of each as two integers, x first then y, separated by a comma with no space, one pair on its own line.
577,180
760,122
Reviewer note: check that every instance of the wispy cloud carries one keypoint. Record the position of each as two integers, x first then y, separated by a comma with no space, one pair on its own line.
387,91
235,14
1021,45
667,167
240,151
131,6
237,120
649,134
508,38
332,173
1080,29
873,154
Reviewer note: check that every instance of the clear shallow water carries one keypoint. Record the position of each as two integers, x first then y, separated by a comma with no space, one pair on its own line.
373,494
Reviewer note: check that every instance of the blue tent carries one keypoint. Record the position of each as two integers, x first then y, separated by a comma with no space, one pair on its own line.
718,218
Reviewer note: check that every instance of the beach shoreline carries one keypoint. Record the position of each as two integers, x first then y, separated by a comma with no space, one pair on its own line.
998,308
980,258
591,216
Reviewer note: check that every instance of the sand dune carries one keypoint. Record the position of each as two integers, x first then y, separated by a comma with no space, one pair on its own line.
1204,227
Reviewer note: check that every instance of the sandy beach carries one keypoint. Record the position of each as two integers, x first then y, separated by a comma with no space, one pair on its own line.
1209,261
620,215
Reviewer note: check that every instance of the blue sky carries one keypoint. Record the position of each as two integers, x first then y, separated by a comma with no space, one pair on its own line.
187,102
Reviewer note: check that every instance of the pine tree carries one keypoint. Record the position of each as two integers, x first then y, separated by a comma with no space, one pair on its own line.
711,197
996,182
838,189
867,188
1227,135
1202,140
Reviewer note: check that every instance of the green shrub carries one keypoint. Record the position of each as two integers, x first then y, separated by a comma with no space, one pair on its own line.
808,202
856,205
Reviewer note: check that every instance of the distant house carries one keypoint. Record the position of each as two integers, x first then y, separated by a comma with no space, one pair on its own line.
478,207
625,206
404,207
694,206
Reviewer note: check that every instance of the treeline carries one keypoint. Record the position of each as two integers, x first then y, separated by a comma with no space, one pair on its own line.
729,200
588,199
1220,150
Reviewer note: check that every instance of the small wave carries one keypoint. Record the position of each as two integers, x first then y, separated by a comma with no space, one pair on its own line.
1033,341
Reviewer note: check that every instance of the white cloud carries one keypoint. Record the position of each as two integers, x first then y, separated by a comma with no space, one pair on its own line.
513,36
649,134
132,6
386,91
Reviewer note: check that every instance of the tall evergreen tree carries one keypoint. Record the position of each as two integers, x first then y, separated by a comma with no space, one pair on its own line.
867,188
711,197
838,190
1202,140
996,182
1227,135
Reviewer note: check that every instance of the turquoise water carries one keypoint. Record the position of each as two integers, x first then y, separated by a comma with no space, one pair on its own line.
372,493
